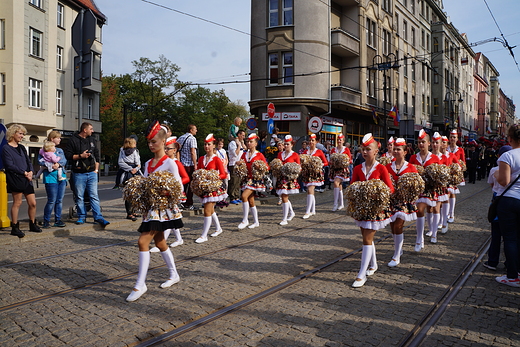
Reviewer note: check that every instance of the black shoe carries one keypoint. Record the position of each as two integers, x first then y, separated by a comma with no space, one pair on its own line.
46,225
34,227
490,267
59,224
15,230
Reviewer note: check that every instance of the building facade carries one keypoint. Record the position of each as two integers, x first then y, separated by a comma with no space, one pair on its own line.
37,68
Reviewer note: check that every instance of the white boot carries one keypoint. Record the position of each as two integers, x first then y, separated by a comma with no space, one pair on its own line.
285,212
245,214
341,204
140,285
309,206
170,263
218,228
451,214
398,250
205,230
254,212
336,194
366,256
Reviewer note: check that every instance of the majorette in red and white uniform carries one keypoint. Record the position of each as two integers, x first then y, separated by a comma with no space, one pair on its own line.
458,152
213,163
249,159
390,146
182,171
283,185
341,174
378,171
451,159
443,195
316,153
405,210
426,197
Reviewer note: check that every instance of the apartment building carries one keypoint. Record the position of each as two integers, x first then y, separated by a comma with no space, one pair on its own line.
37,68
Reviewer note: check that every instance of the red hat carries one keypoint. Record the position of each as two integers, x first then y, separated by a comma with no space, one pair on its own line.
454,132
400,142
367,139
312,136
341,136
171,140
391,139
252,136
288,138
445,139
422,134
436,136
153,130
210,138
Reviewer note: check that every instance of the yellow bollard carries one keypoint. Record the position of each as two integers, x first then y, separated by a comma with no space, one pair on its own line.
4,219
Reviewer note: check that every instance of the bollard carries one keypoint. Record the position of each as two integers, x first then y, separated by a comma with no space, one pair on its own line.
4,219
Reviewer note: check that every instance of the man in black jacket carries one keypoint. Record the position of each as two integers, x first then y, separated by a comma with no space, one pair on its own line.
83,154
472,162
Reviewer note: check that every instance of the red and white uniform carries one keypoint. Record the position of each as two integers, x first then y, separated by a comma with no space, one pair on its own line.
426,197
249,159
380,172
213,163
443,160
459,154
343,174
406,210
284,186
316,153
184,177
452,159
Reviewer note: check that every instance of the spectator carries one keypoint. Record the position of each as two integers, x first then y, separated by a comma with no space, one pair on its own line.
472,163
129,165
234,128
19,174
83,153
262,142
305,146
188,158
54,186
508,209
235,149
274,137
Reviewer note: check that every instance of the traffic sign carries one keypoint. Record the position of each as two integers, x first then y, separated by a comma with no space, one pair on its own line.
270,110
315,125
3,142
270,126
84,32
251,124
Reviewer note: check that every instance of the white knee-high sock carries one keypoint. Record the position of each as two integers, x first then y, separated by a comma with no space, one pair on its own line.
291,211
254,212
336,197
340,198
166,234
167,256
429,220
435,223
245,211
285,210
207,225
144,263
214,217
420,230
398,246
309,203
177,233
366,255
373,259
313,209
452,207
444,213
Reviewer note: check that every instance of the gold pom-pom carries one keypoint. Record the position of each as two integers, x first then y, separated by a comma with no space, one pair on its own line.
368,200
384,160
276,164
205,182
339,161
304,158
420,169
312,169
290,171
164,190
134,192
408,188
240,169
462,165
259,170
456,174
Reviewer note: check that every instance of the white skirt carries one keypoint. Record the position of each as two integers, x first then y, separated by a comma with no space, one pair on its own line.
407,217
373,225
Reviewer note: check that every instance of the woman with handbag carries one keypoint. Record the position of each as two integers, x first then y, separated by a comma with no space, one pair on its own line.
19,174
508,208
129,165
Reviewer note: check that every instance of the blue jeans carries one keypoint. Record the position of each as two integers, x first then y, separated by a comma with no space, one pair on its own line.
55,193
86,182
509,216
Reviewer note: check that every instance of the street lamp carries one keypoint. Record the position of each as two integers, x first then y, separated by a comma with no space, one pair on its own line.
385,65
449,99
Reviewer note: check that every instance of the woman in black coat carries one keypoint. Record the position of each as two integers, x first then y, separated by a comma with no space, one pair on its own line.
19,175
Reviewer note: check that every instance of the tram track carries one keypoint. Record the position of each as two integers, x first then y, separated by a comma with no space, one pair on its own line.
413,338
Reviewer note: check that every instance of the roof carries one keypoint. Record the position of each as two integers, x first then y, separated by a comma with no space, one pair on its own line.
90,4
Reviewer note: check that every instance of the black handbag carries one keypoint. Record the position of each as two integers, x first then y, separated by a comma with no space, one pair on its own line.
492,211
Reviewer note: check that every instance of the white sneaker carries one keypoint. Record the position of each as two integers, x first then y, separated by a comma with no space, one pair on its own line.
134,295
451,219
341,208
418,247
307,215
177,243
393,263
334,208
217,233
444,230
284,222
154,250
439,226
433,240
429,233
171,282
291,216
243,225
370,272
360,283
201,239
254,225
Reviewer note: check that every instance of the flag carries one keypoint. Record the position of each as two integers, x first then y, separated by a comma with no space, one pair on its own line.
488,129
374,115
394,113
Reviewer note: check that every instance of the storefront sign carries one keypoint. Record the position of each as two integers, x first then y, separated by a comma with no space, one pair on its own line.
283,116
332,121
315,125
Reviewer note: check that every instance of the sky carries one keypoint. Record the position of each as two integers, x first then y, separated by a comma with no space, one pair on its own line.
207,52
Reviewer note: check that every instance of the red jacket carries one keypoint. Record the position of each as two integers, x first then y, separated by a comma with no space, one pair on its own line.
256,156
214,164
293,158
430,159
318,153
379,172
182,172
407,167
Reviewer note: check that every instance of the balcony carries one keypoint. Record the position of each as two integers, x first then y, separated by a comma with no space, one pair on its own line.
345,94
347,3
344,44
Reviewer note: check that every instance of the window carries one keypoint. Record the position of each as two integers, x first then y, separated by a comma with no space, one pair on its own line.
422,8
286,14
89,108
428,42
413,37
59,101
387,41
423,36
413,70
427,105
385,4
59,17
286,68
2,33
273,68
405,103
387,89
37,3
446,47
436,106
435,45
371,32
59,58
35,93
412,3
405,30
423,70
413,105
287,61
2,89
423,103
36,42
96,66
405,66
397,24
405,3
371,83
